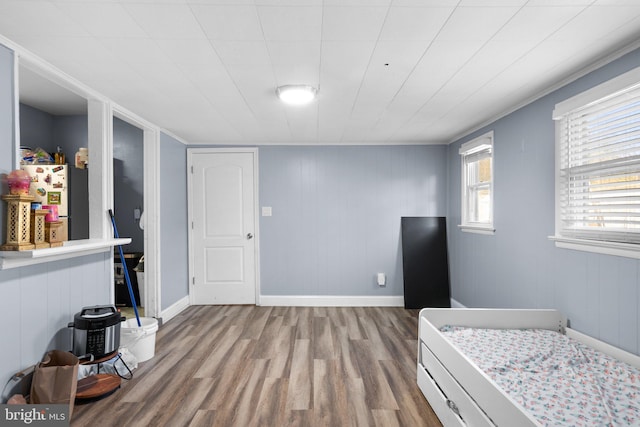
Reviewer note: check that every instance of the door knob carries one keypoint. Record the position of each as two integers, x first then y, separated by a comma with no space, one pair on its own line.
249,236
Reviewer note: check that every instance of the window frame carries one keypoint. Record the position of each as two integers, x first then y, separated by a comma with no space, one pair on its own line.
605,91
482,143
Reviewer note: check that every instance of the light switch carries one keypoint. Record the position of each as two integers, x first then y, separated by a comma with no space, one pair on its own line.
266,211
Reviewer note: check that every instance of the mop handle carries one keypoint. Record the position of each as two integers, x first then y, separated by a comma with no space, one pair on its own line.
125,269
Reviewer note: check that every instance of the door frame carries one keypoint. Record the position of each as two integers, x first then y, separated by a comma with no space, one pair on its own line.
151,209
256,219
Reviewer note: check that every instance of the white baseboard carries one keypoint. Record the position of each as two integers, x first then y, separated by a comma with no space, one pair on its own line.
338,301
331,301
174,309
456,304
308,301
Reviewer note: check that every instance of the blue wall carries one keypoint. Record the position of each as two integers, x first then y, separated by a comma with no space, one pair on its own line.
336,215
174,248
519,266
71,133
128,181
36,128
41,129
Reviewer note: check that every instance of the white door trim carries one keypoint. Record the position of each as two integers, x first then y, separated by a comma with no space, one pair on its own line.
151,209
256,219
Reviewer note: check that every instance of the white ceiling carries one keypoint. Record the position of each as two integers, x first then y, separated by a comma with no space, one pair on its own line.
388,71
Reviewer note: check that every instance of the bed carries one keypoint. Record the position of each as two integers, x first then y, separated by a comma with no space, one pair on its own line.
461,382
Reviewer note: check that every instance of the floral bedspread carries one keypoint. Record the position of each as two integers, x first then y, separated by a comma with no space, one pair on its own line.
558,379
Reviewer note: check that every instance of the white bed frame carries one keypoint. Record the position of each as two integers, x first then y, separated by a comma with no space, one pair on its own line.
457,390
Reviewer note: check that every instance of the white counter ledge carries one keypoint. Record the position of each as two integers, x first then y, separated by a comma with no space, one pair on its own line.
70,249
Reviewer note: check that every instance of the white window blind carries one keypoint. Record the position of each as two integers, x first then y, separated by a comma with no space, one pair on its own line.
599,169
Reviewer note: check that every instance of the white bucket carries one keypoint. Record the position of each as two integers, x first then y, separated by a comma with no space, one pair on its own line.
140,340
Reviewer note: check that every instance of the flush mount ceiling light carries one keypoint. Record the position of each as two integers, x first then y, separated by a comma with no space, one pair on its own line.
296,94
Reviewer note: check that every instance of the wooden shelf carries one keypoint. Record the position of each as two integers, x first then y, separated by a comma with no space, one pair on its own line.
70,249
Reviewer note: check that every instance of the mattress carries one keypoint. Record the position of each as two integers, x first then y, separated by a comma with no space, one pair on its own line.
559,380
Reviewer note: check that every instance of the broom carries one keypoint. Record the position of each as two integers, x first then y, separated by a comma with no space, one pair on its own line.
125,269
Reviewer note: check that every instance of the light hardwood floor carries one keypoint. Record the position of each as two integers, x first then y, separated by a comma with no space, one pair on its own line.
274,366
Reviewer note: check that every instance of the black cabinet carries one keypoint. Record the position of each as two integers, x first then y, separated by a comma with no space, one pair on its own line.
425,262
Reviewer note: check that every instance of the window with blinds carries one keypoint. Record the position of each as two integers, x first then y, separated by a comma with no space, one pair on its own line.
477,183
599,169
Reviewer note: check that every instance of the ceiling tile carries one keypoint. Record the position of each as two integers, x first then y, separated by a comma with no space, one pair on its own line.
426,3
212,81
135,50
288,2
486,64
442,61
189,51
295,62
303,122
615,3
61,49
291,23
582,57
344,64
168,80
626,34
214,2
414,23
199,128
439,105
103,19
532,66
559,2
37,18
352,23
390,66
536,23
268,109
476,23
596,22
333,116
242,52
201,118
166,21
235,111
253,80
144,98
362,3
107,79
298,74
207,70
491,3
229,22
291,52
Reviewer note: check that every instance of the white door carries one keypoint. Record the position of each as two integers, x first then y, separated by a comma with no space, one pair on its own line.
223,206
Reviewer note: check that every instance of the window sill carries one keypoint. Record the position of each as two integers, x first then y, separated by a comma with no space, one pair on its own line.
70,249
627,250
489,230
